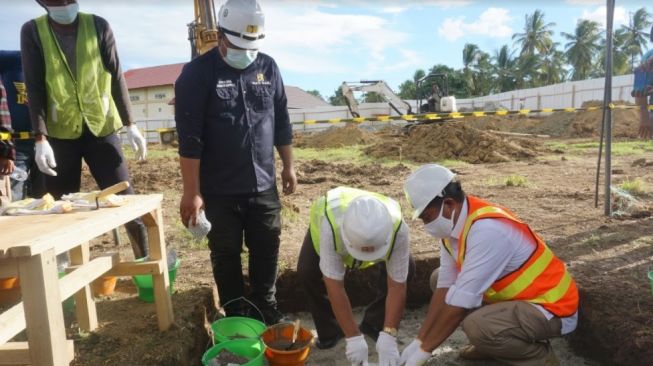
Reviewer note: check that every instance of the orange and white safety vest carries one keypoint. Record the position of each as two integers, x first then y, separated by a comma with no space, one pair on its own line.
543,279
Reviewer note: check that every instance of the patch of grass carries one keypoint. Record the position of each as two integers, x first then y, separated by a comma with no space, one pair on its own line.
634,187
288,215
516,181
153,152
618,148
492,181
593,240
188,238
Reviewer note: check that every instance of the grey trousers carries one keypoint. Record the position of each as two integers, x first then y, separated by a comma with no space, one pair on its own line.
513,332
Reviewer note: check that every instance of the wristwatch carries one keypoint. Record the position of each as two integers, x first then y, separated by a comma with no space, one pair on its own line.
391,331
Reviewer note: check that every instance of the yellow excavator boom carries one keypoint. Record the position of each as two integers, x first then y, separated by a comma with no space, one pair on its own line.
203,30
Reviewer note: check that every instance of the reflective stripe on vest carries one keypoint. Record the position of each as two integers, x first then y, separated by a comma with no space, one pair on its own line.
543,279
332,207
77,96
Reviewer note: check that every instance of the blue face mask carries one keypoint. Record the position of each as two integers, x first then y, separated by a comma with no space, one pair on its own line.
63,14
240,59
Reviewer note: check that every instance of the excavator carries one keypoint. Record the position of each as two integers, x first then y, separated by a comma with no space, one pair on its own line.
203,30
438,102
377,86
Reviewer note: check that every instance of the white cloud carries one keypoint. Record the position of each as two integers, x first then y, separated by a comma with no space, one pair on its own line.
599,15
306,39
491,23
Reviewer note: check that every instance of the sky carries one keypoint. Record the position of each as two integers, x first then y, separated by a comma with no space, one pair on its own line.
318,44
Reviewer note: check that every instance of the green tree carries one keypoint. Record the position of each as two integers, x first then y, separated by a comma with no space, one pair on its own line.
552,66
504,63
316,93
536,36
373,97
527,71
620,56
471,53
408,89
582,48
636,35
337,98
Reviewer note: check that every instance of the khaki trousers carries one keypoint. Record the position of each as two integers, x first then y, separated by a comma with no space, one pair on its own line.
513,332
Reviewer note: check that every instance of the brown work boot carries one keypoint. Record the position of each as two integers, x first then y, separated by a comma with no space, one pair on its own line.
469,352
552,360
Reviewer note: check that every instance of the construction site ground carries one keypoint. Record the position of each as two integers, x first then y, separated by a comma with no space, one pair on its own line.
548,182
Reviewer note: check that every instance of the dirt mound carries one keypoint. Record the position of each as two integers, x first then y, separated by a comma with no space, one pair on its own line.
338,137
318,171
453,141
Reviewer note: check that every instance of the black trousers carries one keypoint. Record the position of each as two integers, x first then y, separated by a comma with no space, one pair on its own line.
310,278
256,218
104,158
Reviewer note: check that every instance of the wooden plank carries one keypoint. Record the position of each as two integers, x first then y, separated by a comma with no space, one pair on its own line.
84,302
30,235
160,281
85,274
17,353
43,312
12,322
136,268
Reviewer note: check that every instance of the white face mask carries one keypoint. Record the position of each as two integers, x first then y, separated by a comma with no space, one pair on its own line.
63,14
240,59
441,227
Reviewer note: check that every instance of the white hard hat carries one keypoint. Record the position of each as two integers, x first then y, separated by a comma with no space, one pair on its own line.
367,228
426,183
243,22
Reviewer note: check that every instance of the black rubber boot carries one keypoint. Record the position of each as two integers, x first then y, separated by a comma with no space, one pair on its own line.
137,233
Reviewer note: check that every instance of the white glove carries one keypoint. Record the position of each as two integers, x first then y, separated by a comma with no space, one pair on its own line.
414,355
356,350
44,158
412,347
137,141
386,347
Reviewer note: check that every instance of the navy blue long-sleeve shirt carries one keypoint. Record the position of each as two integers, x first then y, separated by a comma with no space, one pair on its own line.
231,120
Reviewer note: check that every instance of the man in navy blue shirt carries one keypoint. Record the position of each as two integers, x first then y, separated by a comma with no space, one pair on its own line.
11,75
231,112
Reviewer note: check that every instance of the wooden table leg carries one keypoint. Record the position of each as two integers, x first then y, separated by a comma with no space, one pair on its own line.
43,312
84,302
160,282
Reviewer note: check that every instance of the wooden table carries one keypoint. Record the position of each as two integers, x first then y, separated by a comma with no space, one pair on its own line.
28,249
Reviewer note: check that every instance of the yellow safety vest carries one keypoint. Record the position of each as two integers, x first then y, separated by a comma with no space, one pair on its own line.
77,96
332,207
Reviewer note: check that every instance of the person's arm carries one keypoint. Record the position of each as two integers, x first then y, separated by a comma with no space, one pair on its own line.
397,269
445,322
34,71
283,134
394,303
190,113
341,306
109,52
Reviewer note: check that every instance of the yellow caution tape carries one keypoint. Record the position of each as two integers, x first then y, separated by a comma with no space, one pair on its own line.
406,117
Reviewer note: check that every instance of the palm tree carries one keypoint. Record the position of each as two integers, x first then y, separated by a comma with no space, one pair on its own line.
504,63
636,34
526,71
537,34
582,48
552,66
620,56
471,53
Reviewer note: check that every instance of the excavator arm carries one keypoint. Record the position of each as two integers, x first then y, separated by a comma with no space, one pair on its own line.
376,86
203,30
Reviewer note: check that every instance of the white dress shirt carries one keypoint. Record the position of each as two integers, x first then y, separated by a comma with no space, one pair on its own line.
333,267
495,248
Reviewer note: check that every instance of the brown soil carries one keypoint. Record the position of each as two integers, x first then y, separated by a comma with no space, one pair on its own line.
608,257
225,358
338,137
455,141
563,124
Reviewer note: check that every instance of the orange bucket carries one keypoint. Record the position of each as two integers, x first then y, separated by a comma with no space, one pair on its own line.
104,285
279,348
9,283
